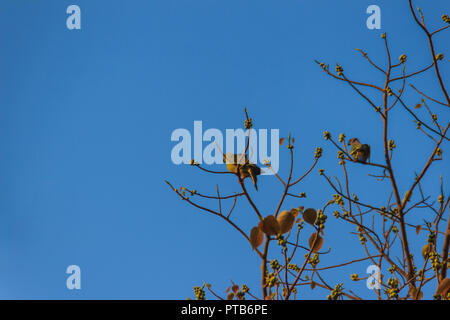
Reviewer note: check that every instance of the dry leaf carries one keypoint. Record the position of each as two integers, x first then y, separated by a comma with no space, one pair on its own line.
420,295
412,293
270,225
443,287
256,237
418,228
418,106
310,215
318,242
281,141
230,296
235,288
294,212
286,220
427,249
260,225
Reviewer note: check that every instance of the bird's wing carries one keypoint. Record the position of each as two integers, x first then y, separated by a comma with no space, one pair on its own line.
355,148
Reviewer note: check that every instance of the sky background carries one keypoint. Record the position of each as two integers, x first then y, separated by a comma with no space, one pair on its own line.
86,118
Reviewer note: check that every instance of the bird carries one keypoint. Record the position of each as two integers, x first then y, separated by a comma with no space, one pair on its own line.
251,170
359,151
246,168
232,160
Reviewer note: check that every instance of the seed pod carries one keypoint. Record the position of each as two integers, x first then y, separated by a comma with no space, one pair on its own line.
310,215
426,250
256,237
286,220
412,294
270,225
443,287
318,244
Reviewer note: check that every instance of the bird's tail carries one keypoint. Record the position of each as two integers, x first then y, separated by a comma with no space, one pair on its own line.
255,181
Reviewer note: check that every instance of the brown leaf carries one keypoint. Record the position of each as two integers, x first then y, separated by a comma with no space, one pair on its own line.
413,292
286,220
310,215
427,249
281,141
270,225
313,285
260,224
318,242
235,288
256,237
418,228
418,106
230,296
443,287
296,211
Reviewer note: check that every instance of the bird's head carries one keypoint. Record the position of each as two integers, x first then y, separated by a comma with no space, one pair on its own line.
353,141
231,158
228,157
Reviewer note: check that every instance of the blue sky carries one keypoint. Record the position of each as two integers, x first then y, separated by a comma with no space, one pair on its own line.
86,119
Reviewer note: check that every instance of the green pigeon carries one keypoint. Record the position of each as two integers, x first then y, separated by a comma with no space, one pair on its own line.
246,168
359,151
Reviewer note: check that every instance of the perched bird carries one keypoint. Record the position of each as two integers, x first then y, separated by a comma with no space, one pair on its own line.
246,168
251,170
359,151
232,160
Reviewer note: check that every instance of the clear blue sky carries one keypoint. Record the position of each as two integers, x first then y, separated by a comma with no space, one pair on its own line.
86,117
